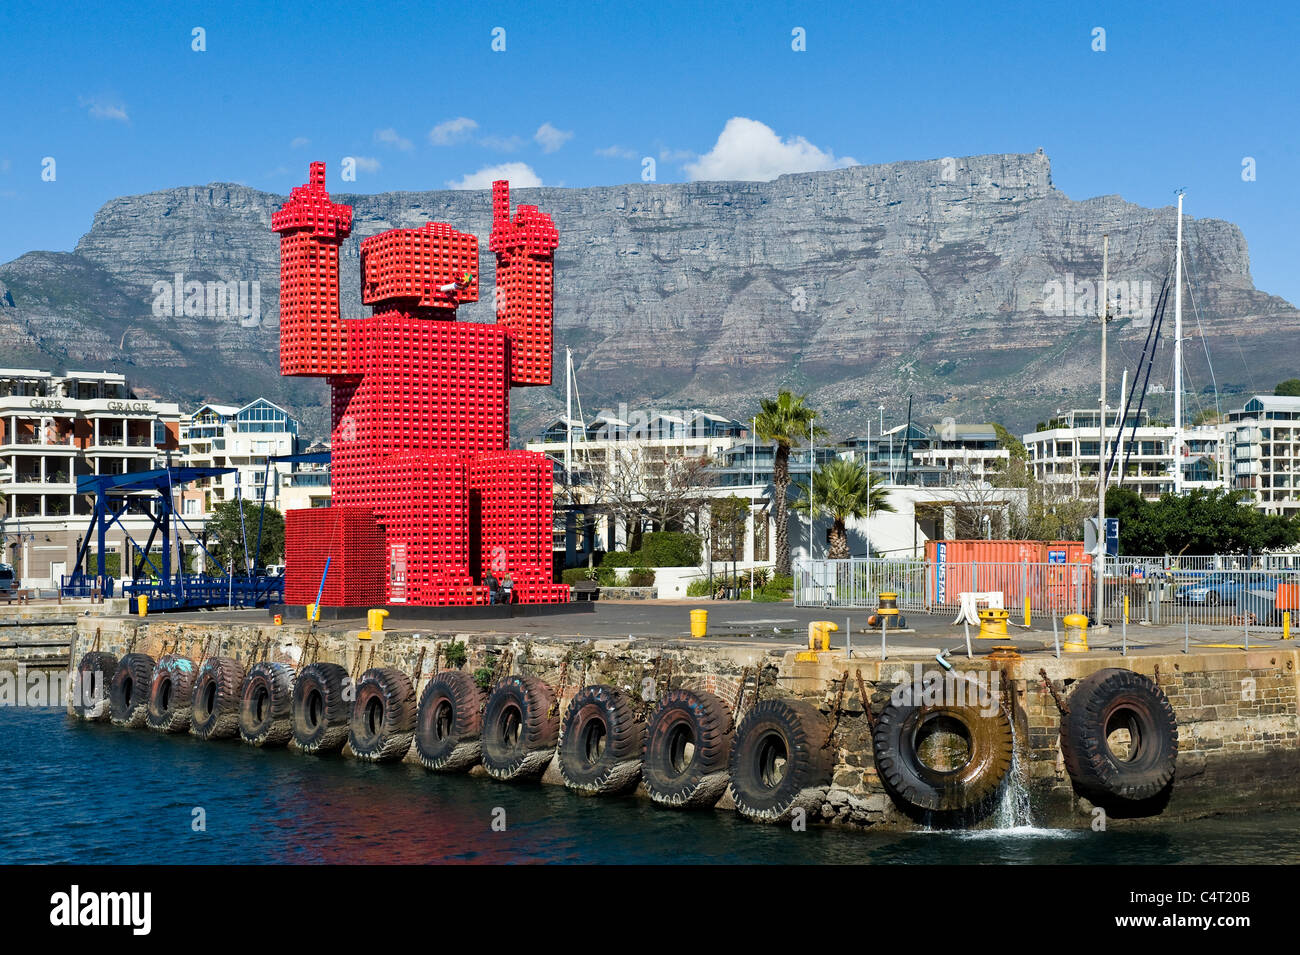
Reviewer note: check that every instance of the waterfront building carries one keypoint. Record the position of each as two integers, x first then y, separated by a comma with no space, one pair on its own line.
55,428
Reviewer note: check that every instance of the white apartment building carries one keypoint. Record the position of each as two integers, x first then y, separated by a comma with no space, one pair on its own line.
1065,454
243,438
53,429
601,450
1264,437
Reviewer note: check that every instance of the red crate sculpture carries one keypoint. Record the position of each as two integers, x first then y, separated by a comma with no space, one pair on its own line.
426,497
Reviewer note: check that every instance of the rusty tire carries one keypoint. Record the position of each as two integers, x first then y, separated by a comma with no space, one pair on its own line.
905,737
266,705
171,693
1102,703
601,742
383,716
779,761
214,712
449,727
90,687
687,745
320,708
128,694
519,732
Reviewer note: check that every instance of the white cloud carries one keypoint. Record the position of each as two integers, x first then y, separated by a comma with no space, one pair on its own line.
616,152
299,141
367,163
100,108
390,137
550,138
748,149
520,174
503,144
452,131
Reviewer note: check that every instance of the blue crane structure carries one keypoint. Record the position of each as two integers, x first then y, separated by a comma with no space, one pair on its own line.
150,493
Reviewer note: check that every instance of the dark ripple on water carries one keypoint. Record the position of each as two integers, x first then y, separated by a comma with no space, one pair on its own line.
79,793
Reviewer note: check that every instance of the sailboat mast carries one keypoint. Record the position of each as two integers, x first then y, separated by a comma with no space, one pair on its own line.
1178,352
568,421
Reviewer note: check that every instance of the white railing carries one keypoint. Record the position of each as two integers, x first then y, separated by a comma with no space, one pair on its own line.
1221,590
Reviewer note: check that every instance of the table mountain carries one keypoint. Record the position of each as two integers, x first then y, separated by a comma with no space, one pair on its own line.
858,285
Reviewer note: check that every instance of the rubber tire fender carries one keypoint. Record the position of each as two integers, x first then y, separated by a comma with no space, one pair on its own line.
171,693
321,710
214,712
128,694
1110,699
771,727
449,726
266,705
519,732
701,720
90,694
601,742
912,782
383,716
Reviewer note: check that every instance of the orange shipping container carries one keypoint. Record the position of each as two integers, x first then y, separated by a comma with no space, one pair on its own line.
1058,575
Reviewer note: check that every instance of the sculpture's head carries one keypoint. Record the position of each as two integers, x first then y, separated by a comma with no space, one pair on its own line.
434,266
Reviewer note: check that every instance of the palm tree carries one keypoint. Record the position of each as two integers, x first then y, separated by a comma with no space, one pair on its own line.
787,421
844,489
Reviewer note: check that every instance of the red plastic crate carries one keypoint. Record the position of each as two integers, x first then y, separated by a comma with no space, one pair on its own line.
426,497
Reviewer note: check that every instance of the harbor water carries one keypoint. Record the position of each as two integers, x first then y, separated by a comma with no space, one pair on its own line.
72,792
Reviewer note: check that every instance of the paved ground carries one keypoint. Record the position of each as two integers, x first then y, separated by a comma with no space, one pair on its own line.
782,626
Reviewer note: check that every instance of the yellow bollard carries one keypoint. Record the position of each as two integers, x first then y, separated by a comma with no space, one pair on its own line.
375,620
819,632
313,613
699,622
142,605
1076,633
1126,608
1286,624
363,634
1027,616
993,624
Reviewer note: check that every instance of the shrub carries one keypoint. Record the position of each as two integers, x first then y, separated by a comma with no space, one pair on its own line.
618,558
698,588
483,678
640,577
669,549
605,576
456,654
573,575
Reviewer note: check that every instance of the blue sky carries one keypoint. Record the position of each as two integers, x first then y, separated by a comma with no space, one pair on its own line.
115,94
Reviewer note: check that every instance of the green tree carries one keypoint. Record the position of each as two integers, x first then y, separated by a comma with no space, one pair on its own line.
786,421
226,535
1009,441
1202,522
842,489
1290,388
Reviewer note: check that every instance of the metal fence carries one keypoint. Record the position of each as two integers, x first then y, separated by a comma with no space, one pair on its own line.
1163,591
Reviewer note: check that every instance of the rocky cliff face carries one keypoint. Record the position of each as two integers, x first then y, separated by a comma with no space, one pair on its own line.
859,285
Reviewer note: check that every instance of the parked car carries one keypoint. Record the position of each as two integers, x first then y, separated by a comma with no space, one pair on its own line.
275,570
1222,588
8,583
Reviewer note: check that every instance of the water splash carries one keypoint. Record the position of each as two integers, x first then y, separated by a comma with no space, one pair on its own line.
1013,812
